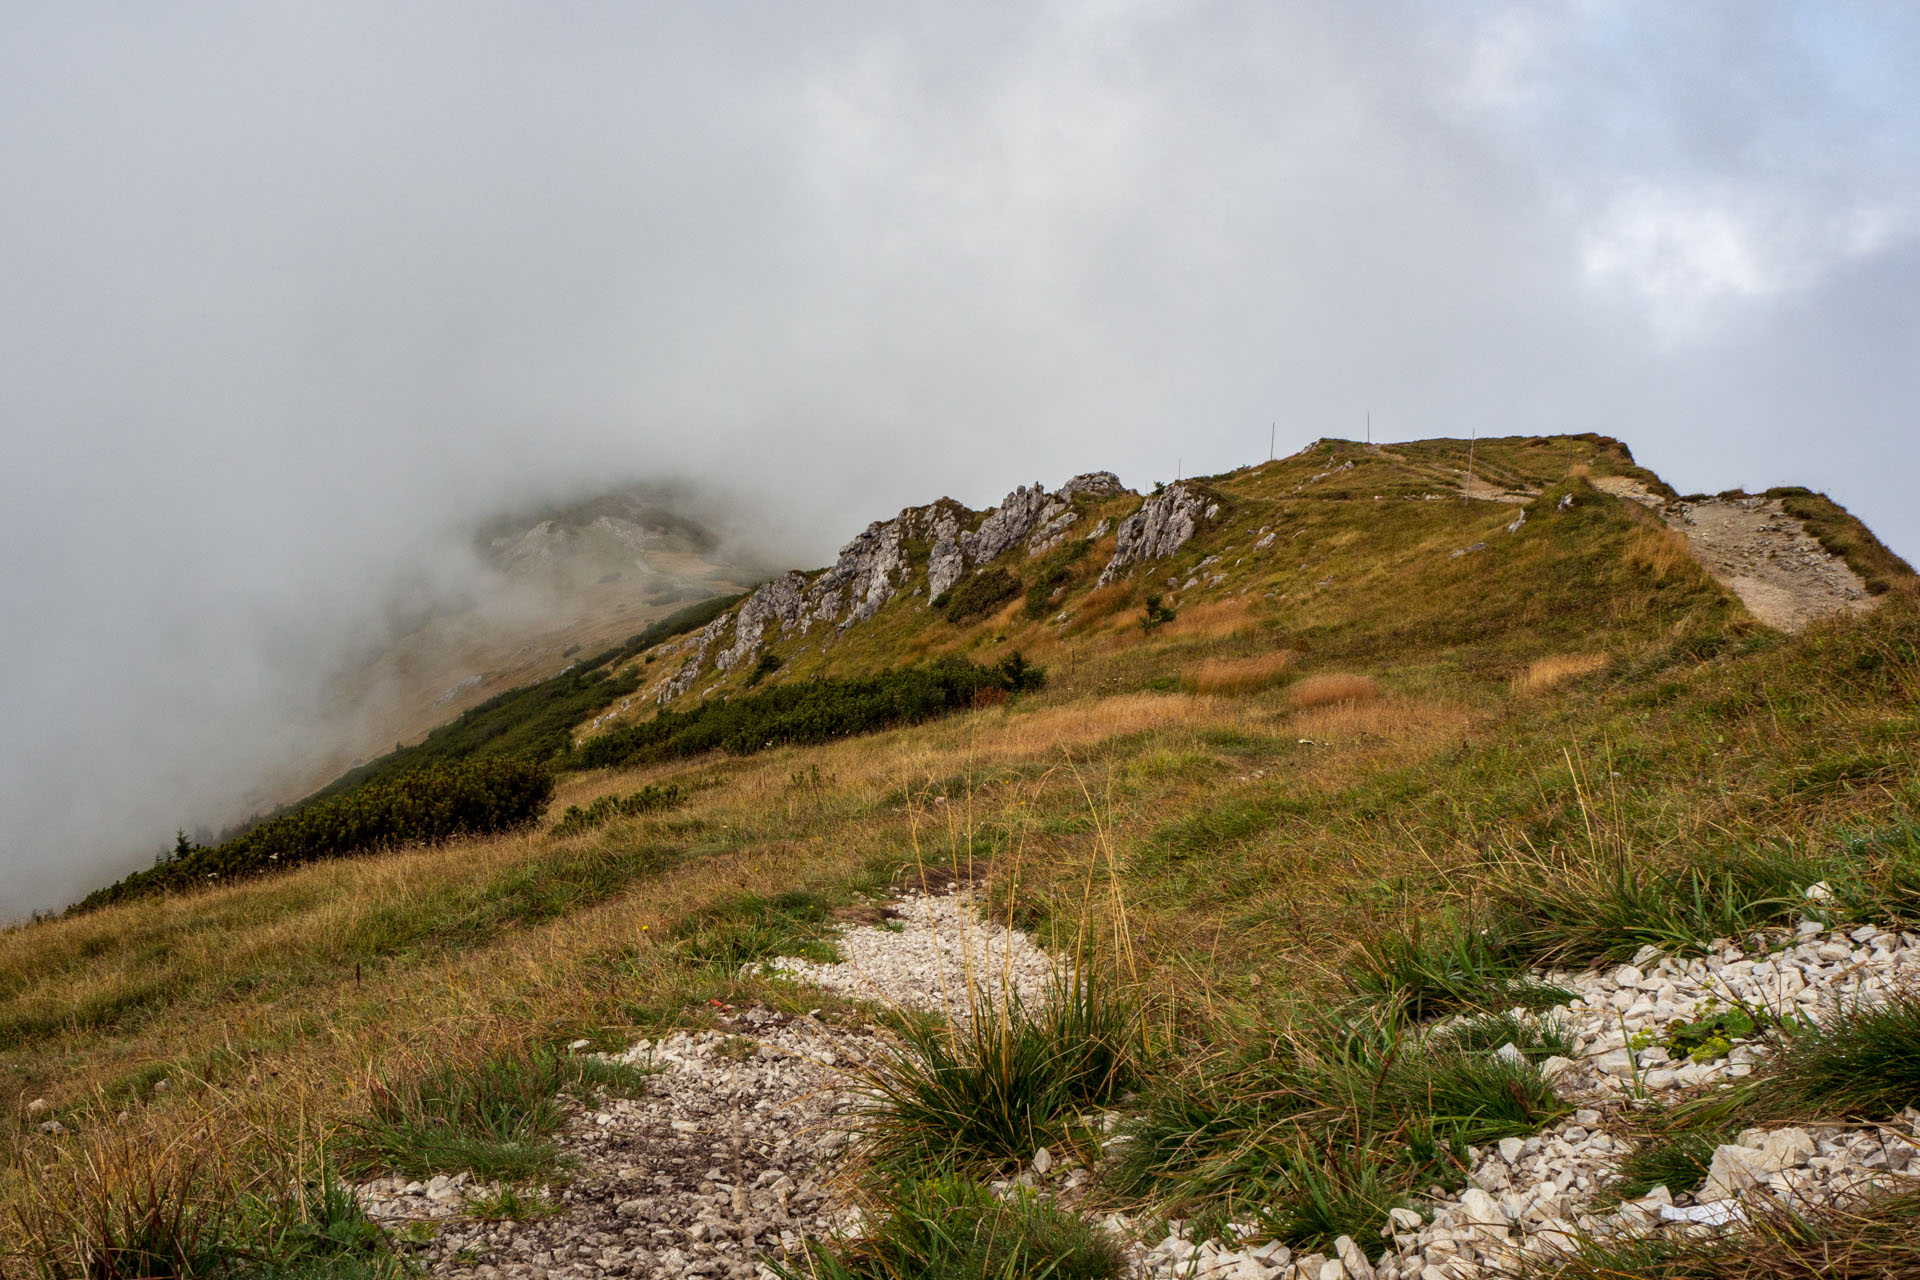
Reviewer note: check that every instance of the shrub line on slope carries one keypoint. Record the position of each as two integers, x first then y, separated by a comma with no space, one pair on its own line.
475,797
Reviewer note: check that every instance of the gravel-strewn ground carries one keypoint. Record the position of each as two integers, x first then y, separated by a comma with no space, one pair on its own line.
731,1154
936,954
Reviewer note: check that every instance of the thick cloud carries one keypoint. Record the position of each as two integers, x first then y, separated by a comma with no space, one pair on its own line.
290,293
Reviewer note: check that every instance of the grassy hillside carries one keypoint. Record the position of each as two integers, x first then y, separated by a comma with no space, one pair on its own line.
1374,709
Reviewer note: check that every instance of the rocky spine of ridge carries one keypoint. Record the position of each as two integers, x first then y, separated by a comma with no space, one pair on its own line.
880,563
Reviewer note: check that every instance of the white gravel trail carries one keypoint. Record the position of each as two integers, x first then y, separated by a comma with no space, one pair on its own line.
936,954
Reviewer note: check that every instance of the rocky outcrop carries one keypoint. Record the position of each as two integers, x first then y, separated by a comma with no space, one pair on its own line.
1092,484
877,565
946,563
1161,526
1008,524
783,601
696,653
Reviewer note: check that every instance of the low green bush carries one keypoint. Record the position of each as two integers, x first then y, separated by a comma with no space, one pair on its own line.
475,797
648,799
535,720
977,594
808,711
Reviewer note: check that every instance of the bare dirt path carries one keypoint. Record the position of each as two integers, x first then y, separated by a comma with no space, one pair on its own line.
1763,555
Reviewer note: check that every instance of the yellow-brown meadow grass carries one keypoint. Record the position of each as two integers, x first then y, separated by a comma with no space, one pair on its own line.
1331,688
1239,675
1211,620
1410,722
1544,673
1661,552
1098,605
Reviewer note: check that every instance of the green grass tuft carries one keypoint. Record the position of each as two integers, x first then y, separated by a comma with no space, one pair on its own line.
1263,1133
986,1096
490,1118
1610,904
1677,1160
952,1229
1863,1062
1447,968
748,926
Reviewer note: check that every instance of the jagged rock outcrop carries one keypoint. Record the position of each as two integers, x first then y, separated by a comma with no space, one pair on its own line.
1159,528
1007,524
783,601
696,653
1092,484
877,565
863,578
946,563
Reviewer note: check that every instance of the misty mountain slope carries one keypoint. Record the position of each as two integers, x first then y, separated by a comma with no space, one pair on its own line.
550,584
1409,718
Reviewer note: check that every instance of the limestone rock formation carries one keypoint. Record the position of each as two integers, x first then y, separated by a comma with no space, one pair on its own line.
1159,528
878,565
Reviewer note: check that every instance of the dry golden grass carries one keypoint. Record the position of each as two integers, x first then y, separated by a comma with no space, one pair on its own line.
1660,552
1239,675
1579,471
1211,620
1332,689
1544,673
1098,605
1407,721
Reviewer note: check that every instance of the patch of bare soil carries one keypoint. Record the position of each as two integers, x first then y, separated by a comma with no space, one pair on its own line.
1763,555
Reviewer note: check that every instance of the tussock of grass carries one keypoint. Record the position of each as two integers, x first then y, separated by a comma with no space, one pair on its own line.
491,1118
508,1203
1239,675
135,1210
1322,1129
1863,1062
987,1095
1879,878
1537,1038
952,1229
1545,673
1098,605
1446,967
1331,690
1677,1160
1607,904
1661,553
1876,1241
1212,620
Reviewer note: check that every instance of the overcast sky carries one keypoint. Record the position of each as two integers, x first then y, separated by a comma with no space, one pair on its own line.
288,291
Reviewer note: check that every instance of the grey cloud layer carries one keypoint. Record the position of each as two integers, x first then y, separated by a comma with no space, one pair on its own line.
292,292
